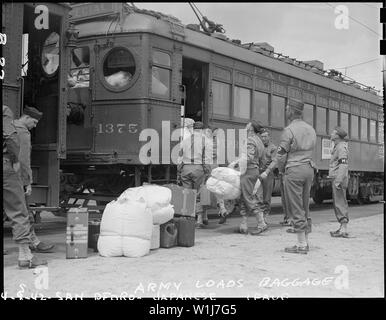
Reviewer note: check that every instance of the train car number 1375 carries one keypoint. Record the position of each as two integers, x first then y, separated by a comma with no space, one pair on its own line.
117,128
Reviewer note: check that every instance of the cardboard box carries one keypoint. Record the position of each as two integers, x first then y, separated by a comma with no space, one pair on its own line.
77,234
183,200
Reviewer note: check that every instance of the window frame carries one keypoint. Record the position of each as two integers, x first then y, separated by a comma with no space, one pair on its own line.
271,111
163,67
341,113
313,114
133,78
230,99
254,95
330,128
90,77
358,137
367,129
316,117
376,135
233,116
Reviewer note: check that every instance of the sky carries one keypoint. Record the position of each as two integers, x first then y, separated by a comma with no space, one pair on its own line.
305,31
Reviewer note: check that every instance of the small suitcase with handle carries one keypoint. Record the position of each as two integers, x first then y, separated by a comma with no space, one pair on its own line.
77,234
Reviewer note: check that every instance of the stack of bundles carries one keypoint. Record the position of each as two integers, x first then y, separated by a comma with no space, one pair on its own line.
158,201
225,183
126,229
129,223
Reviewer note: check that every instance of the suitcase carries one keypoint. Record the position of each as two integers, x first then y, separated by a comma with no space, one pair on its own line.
183,200
186,228
77,234
94,228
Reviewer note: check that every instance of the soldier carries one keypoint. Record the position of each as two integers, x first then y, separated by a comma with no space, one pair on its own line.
196,153
295,155
339,173
248,200
269,152
13,194
24,124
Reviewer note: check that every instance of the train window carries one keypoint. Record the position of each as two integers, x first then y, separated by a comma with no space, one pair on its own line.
80,68
373,131
242,103
160,80
50,54
260,107
364,135
308,114
332,120
278,111
354,127
221,97
119,68
321,120
344,122
161,58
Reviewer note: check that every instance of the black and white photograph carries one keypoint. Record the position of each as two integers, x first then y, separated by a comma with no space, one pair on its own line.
192,151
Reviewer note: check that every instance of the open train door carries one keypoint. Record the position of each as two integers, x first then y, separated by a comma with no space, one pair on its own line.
45,43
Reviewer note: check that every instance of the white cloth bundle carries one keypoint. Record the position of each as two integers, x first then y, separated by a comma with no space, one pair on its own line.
157,199
225,183
126,229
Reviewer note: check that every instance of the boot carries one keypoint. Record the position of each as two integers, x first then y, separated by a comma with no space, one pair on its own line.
205,220
30,264
243,228
199,222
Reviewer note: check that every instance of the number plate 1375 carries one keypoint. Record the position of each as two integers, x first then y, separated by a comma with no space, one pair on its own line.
117,128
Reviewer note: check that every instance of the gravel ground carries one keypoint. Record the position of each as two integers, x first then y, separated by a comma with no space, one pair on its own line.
221,264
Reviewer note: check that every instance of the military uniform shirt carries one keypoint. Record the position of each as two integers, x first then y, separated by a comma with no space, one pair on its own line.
269,154
339,162
11,146
255,151
296,145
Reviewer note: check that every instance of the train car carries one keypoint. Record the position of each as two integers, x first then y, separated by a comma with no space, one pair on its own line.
126,75
35,43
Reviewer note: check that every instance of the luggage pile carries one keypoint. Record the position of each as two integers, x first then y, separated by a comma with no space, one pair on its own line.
143,218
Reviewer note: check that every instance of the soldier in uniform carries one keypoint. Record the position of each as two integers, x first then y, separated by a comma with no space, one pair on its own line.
196,153
27,122
13,194
295,155
269,153
250,201
338,171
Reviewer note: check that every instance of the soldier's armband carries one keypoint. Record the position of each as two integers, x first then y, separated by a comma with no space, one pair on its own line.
281,151
343,161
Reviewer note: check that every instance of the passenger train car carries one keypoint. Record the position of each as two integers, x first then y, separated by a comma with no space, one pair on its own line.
130,71
155,54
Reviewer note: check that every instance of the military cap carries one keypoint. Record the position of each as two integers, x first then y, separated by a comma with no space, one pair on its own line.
296,105
198,125
265,130
32,112
257,126
340,132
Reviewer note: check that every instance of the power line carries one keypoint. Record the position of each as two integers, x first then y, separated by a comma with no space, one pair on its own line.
369,6
358,64
362,24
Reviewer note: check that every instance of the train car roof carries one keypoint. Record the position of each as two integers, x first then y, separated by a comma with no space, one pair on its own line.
172,28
